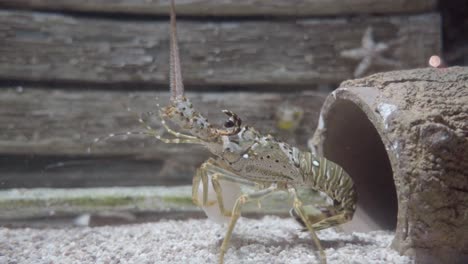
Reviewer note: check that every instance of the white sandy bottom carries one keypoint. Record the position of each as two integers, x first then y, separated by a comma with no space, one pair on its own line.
267,240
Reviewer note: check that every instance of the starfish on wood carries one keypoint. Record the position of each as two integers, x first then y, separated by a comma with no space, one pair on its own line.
370,53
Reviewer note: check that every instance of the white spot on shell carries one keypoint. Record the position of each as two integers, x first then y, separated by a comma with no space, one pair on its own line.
316,163
245,156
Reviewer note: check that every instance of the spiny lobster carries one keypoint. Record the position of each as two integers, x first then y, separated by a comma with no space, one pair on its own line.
246,157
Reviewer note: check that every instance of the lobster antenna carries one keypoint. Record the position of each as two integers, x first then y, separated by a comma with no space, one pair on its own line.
177,87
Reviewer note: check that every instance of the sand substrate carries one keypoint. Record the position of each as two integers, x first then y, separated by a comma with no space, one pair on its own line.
267,240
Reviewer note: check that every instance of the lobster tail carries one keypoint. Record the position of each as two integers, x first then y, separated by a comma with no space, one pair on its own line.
329,178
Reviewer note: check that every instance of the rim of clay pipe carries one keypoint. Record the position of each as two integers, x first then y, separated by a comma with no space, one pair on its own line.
351,132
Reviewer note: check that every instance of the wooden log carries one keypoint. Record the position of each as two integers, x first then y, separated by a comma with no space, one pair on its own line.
35,203
42,127
38,171
34,120
38,47
232,7
43,202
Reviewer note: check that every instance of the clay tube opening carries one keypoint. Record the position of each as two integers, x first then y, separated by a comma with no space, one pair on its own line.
353,142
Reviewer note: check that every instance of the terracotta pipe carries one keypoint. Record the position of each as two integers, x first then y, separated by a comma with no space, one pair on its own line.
402,136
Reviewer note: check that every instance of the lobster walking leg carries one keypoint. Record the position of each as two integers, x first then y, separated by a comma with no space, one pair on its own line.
211,172
219,192
201,175
332,221
243,199
299,208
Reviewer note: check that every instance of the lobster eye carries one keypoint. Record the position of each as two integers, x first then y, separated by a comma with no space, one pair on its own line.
229,124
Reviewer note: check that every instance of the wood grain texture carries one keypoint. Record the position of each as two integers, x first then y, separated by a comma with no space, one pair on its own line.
39,202
42,127
18,204
56,121
38,171
232,7
38,46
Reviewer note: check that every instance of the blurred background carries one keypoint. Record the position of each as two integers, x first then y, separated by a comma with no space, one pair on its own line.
73,71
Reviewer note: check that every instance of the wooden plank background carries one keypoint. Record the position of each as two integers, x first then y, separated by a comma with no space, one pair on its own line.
233,7
52,126
39,46
59,121
69,69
